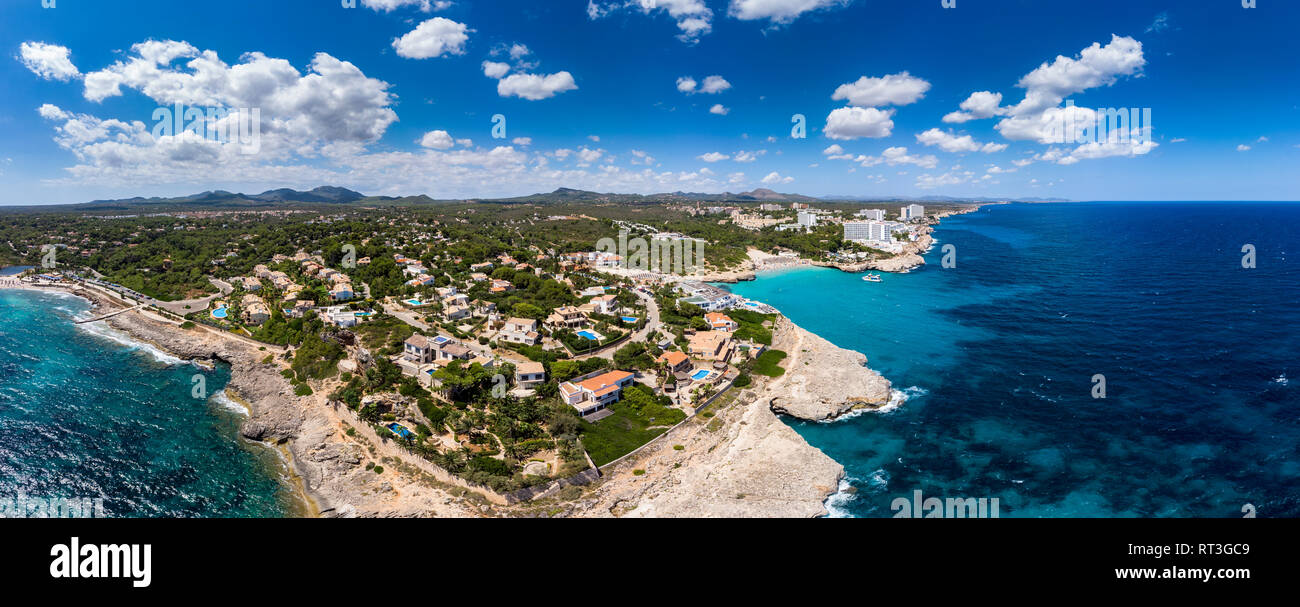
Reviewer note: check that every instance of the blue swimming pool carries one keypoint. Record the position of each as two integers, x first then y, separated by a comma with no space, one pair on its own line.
413,302
400,430
701,374
629,319
588,335
219,313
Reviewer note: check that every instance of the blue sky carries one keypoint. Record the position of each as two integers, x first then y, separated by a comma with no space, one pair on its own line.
901,98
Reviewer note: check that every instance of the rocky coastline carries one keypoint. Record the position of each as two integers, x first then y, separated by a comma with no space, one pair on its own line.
329,464
743,462
823,382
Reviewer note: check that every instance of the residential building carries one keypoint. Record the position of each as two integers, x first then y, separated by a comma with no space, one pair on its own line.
710,345
911,212
567,317
520,331
529,375
419,349
872,214
678,362
720,322
807,219
256,311
596,393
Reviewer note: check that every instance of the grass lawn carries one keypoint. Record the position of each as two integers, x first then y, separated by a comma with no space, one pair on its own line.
624,431
768,363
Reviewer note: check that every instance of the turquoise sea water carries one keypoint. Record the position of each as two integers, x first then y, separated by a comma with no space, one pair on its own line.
998,355
84,413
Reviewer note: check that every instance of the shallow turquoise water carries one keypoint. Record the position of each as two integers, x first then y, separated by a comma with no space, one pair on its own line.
998,357
86,414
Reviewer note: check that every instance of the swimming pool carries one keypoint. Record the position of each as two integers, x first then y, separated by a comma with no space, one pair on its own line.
630,319
701,375
588,335
400,430
219,312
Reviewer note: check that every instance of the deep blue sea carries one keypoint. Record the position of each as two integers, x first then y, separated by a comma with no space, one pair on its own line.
85,413
1201,358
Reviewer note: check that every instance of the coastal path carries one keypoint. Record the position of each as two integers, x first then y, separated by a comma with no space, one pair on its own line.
109,315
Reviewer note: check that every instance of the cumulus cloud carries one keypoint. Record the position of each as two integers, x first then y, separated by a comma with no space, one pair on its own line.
857,122
522,141
49,61
775,178
1041,117
720,109
1243,148
433,38
694,19
779,11
495,70
979,105
535,87
955,144
712,85
714,157
333,102
893,89
438,140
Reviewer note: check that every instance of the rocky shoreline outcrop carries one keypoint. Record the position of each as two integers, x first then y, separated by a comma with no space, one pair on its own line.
823,382
328,465
742,461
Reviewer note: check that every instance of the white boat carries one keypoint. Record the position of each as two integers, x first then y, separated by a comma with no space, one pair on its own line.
872,278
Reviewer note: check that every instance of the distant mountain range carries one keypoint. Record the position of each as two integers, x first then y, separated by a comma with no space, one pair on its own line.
332,195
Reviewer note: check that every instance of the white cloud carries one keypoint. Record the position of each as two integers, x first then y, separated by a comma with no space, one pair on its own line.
333,102
714,85
954,144
1262,139
438,140
719,109
930,182
714,157
387,6
495,70
779,11
893,89
775,178
519,51
980,105
1243,148
1042,118
522,141
694,18
743,156
49,61
856,122
535,87
1177,140
433,38
833,150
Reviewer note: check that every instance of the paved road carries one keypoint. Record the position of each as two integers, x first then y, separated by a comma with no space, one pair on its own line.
194,305
652,323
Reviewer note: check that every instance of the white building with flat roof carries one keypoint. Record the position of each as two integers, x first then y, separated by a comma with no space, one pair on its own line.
872,214
912,211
